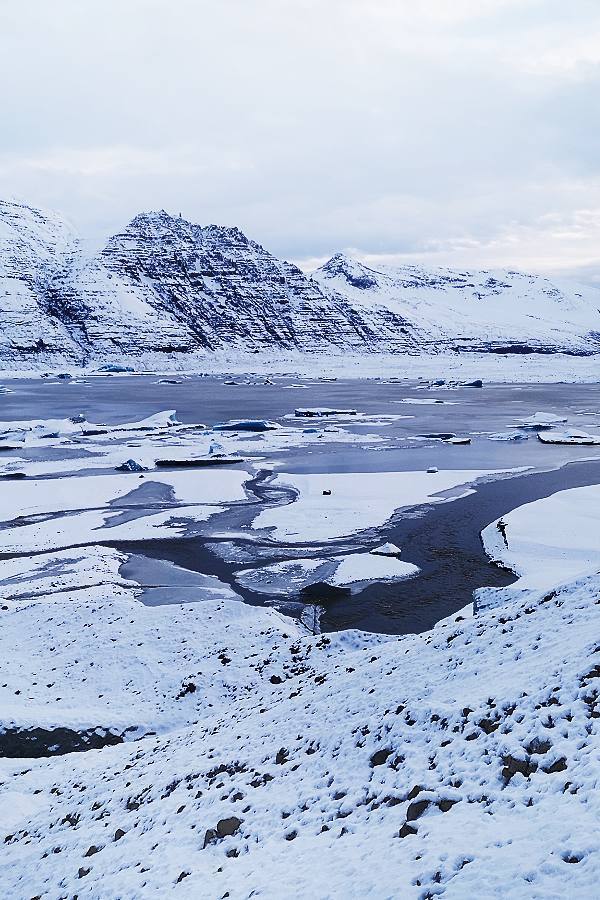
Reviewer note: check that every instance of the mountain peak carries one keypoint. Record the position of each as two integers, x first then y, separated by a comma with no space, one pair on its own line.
345,267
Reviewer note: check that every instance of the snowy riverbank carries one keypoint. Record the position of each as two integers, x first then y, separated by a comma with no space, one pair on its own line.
509,368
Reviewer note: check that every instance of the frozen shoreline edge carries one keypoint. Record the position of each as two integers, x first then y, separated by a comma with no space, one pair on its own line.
492,368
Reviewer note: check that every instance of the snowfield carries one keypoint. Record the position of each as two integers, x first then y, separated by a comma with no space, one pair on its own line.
550,540
461,762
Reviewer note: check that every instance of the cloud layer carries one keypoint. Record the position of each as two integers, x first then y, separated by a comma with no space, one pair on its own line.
463,133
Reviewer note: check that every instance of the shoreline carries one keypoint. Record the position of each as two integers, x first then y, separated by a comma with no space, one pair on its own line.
492,368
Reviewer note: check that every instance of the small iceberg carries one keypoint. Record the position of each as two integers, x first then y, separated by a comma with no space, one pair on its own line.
114,367
438,435
420,401
541,421
569,437
166,419
247,425
387,549
131,465
321,411
508,436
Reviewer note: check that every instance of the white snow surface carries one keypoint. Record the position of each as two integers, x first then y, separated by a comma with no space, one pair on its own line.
477,742
550,540
358,500
50,513
360,568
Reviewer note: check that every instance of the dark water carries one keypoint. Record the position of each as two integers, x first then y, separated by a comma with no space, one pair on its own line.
443,540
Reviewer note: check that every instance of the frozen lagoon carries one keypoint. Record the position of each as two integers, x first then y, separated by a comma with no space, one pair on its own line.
394,432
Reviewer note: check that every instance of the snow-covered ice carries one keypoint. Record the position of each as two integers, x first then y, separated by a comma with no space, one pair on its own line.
357,501
570,436
551,540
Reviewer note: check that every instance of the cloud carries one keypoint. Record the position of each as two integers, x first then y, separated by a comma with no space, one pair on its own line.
448,131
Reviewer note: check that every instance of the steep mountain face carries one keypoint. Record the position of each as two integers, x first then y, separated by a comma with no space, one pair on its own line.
213,288
165,288
501,311
35,252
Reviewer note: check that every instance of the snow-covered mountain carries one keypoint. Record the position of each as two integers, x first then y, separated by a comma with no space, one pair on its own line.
165,288
501,311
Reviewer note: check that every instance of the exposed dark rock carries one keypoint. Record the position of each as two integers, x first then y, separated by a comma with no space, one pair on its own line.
380,757
16,743
416,809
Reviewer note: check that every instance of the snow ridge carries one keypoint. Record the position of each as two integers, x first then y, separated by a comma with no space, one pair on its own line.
167,289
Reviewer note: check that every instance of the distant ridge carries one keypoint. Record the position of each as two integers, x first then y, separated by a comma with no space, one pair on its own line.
166,288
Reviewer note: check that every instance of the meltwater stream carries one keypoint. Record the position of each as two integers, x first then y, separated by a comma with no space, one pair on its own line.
443,540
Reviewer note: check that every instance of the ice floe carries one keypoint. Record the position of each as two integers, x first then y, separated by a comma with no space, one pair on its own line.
540,421
357,501
551,540
354,570
571,436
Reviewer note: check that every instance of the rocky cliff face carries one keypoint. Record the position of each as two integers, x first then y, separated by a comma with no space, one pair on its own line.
167,287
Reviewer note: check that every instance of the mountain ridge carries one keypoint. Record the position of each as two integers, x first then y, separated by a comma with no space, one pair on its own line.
169,287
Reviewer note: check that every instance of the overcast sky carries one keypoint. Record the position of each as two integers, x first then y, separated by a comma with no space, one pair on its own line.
455,132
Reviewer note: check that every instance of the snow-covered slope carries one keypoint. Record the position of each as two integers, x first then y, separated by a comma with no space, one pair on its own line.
36,251
499,311
165,289
462,762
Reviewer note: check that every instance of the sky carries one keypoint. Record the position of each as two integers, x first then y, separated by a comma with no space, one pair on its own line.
445,132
